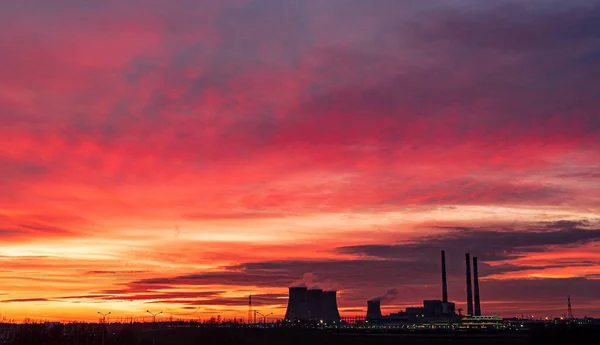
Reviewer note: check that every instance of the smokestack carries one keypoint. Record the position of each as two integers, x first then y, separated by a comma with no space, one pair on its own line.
373,310
314,304
469,289
444,283
297,308
329,309
476,286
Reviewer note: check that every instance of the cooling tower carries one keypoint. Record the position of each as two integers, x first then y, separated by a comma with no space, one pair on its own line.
373,310
314,304
476,287
329,309
297,308
469,289
444,282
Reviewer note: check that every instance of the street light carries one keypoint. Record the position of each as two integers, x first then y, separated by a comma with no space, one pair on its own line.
153,320
264,316
153,315
104,316
103,324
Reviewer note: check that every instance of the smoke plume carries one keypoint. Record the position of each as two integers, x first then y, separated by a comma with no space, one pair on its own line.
314,281
389,296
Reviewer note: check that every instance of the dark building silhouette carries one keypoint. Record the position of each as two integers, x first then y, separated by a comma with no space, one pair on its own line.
297,308
329,308
373,310
431,309
314,304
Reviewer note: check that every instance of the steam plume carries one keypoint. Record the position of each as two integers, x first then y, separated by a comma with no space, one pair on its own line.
314,281
389,296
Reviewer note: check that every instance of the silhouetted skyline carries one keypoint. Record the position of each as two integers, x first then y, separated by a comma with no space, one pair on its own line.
178,156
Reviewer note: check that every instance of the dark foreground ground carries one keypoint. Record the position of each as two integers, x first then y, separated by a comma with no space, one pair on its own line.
348,337
142,335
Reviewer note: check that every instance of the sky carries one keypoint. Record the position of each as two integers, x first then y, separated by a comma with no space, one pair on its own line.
180,155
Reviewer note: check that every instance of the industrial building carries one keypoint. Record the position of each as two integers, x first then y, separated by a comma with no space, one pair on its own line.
313,305
434,310
373,310
316,305
297,308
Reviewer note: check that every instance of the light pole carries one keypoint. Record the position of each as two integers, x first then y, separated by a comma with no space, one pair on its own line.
264,317
153,315
267,316
104,316
154,320
103,324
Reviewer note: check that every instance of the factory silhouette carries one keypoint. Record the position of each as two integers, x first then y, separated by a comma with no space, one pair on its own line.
312,305
316,305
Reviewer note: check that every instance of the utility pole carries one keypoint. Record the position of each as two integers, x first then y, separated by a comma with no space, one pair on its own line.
103,324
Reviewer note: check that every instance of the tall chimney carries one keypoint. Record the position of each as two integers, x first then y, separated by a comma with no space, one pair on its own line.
469,289
476,286
444,283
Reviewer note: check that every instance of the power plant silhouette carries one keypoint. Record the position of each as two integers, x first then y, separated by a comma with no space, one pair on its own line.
321,306
312,305
373,310
435,309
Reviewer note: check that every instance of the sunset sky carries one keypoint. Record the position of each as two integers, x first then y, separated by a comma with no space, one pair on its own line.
178,155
